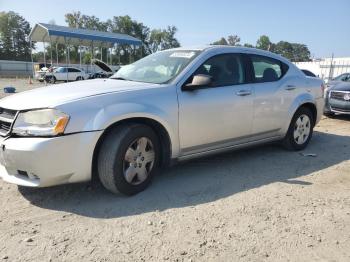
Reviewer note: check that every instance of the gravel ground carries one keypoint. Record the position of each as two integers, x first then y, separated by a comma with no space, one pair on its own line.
259,204
20,84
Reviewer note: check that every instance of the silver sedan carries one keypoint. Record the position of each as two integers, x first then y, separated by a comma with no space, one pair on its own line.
170,106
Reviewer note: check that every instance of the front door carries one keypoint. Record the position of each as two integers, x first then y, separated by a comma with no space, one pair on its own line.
220,115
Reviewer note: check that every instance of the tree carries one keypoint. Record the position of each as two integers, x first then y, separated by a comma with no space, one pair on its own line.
14,37
125,25
248,45
285,49
222,41
301,53
163,39
152,41
233,40
264,43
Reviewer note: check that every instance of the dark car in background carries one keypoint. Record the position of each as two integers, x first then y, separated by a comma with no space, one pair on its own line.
341,78
338,99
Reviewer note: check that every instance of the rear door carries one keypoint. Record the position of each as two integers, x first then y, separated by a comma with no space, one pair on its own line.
273,95
72,74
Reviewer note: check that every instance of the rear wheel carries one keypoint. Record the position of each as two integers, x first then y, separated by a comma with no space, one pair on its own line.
79,78
52,80
300,130
128,158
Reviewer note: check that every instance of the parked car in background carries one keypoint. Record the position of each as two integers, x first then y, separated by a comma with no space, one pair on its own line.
338,99
65,74
106,70
170,106
341,78
308,73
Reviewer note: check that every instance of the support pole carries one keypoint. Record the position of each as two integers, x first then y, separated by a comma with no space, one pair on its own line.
51,51
44,54
31,57
101,53
56,54
92,56
65,43
80,56
68,54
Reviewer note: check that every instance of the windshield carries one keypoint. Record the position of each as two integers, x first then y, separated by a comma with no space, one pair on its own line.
340,78
157,68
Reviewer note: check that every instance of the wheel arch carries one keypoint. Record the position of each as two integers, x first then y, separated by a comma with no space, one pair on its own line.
158,128
312,107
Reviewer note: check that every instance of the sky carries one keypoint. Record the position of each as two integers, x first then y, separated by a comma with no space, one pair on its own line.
323,25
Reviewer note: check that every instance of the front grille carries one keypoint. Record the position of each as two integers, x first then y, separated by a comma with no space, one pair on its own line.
339,109
338,95
7,116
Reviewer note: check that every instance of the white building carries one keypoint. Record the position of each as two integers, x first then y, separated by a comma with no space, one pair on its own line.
327,68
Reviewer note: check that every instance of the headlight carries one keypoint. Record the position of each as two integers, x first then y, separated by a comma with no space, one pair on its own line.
43,122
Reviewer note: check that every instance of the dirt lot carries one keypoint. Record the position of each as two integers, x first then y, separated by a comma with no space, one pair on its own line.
260,204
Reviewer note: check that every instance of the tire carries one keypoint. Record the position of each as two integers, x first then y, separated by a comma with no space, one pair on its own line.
329,114
290,141
52,80
79,78
112,163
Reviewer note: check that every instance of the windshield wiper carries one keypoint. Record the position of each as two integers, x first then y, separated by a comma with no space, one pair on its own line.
120,78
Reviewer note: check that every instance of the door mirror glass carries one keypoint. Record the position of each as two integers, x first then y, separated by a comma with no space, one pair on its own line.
199,81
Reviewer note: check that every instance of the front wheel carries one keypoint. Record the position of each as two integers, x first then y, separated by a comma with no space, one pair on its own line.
300,130
128,158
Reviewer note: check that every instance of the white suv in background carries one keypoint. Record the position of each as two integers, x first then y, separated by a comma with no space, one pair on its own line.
66,74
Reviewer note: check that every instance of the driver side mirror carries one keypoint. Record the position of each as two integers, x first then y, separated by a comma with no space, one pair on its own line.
198,81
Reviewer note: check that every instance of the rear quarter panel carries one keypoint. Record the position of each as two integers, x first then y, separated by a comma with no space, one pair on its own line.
309,90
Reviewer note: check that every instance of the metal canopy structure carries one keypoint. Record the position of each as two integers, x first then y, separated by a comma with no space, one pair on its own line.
55,34
76,36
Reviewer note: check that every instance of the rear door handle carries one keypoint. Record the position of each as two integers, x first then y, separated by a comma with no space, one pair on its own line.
243,93
290,87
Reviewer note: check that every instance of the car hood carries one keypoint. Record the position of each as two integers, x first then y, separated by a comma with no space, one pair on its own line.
102,65
333,83
341,86
58,94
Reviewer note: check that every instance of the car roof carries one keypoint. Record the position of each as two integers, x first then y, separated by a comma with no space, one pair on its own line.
235,49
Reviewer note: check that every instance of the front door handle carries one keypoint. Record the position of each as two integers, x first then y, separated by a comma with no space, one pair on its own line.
243,93
290,87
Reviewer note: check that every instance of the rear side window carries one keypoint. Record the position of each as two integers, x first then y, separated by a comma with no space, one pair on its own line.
225,69
267,69
73,70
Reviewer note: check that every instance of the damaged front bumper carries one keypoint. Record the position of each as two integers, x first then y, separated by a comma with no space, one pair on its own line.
41,162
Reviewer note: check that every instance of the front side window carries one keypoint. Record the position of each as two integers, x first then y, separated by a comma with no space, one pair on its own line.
157,68
267,69
61,70
225,70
